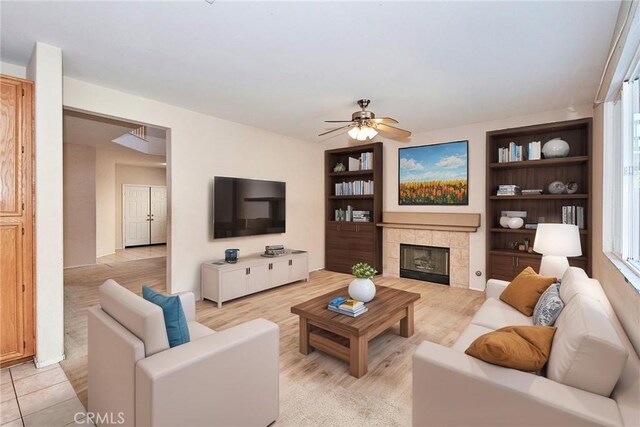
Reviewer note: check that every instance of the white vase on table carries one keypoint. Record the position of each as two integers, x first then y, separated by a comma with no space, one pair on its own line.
362,289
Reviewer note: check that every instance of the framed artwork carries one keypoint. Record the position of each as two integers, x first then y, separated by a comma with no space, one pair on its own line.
435,174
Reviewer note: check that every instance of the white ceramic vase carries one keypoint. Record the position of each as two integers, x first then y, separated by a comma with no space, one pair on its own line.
555,147
362,290
516,222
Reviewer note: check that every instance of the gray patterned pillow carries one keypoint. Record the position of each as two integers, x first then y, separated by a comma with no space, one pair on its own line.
548,307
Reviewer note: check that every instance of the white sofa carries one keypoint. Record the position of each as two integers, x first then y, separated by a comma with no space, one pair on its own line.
451,388
228,378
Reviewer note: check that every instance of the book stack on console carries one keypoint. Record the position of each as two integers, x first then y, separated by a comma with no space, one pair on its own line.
274,250
348,307
361,216
509,190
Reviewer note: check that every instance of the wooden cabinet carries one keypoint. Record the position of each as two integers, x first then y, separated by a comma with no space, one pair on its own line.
17,333
350,242
222,282
504,262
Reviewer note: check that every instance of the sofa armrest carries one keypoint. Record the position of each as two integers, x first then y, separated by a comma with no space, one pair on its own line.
452,388
495,287
229,378
188,301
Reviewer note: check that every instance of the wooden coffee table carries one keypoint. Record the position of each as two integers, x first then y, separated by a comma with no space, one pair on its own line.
347,338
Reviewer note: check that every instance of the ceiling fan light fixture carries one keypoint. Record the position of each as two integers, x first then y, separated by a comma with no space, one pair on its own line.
362,133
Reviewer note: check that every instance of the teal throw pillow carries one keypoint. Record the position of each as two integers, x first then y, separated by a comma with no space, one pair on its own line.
174,318
548,307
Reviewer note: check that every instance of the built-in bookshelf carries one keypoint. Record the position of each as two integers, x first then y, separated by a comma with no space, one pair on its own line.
504,259
353,207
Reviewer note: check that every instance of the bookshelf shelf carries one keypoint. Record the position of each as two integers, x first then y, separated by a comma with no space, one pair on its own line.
564,161
350,242
503,262
541,197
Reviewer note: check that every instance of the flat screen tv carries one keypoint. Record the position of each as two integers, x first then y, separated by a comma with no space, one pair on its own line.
246,207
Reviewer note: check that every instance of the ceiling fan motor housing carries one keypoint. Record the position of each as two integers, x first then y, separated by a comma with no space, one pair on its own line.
362,115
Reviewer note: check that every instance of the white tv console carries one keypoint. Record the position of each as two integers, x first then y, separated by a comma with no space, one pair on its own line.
222,281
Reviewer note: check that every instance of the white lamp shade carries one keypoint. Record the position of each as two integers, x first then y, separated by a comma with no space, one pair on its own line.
558,240
362,133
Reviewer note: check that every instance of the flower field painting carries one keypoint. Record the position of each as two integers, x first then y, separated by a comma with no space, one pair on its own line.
434,174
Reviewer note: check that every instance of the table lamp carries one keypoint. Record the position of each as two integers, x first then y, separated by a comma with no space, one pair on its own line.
556,242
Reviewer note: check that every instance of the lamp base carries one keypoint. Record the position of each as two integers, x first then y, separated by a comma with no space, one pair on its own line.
554,265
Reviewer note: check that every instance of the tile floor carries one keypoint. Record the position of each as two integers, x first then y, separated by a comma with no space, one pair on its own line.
38,397
130,254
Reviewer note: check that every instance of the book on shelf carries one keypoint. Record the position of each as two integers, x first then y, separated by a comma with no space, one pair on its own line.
509,190
346,306
354,188
573,215
518,153
532,191
354,164
351,304
364,162
347,312
531,226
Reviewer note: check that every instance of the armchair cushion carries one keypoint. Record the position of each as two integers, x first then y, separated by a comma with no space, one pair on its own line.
143,319
174,318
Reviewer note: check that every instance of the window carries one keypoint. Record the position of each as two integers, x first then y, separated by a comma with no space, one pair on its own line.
626,174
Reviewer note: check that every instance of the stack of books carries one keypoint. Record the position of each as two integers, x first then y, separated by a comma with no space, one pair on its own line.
509,190
354,188
518,153
532,191
274,250
364,162
361,216
348,307
573,215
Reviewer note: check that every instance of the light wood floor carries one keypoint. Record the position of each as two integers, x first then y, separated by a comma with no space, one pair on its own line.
440,315
135,253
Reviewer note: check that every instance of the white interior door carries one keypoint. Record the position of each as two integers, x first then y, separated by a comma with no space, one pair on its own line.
158,214
136,215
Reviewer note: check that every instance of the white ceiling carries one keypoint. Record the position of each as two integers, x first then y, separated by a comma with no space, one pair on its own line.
287,66
98,132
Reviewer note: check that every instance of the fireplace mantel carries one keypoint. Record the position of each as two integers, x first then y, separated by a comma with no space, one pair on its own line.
449,221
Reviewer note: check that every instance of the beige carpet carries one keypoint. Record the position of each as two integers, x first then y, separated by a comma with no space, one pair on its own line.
309,404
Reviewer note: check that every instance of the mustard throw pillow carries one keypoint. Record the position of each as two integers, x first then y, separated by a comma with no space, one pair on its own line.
524,291
525,348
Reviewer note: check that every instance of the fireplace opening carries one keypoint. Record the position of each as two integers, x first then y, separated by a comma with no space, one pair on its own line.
428,263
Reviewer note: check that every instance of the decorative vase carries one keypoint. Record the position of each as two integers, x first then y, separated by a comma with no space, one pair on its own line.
557,187
362,290
516,222
555,147
571,187
504,221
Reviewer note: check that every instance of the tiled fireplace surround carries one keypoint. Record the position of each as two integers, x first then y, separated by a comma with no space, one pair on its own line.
429,230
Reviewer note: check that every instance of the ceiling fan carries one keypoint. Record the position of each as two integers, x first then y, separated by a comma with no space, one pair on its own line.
364,125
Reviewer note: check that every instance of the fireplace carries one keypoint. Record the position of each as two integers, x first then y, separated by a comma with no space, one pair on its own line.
428,263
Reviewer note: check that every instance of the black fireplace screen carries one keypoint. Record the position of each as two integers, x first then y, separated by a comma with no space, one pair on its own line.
428,263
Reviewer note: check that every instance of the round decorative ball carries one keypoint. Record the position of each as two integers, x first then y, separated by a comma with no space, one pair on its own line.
571,187
362,290
555,147
557,187
516,222
504,221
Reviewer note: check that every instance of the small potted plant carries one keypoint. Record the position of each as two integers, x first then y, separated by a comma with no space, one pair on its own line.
362,287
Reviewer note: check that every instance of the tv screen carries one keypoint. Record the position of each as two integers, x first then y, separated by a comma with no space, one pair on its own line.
246,207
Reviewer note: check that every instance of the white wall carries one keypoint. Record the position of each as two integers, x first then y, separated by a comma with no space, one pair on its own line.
126,174
79,174
13,70
476,135
45,68
105,202
201,147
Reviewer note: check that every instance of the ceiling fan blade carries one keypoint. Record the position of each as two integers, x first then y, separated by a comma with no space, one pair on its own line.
339,121
384,120
393,131
334,130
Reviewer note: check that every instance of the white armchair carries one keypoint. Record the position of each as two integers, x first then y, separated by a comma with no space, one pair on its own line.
227,378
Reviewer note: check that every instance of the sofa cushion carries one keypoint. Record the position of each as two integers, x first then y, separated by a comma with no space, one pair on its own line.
525,348
469,335
198,330
495,314
525,289
143,319
174,318
586,353
548,307
574,281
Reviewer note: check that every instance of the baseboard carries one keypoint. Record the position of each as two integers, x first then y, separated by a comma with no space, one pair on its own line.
41,364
